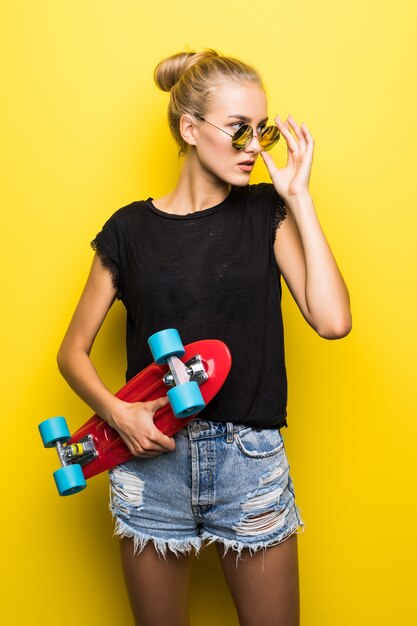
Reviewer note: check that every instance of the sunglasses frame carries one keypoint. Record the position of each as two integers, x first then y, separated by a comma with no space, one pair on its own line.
273,130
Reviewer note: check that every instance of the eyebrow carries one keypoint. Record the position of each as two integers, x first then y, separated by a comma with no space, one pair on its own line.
243,118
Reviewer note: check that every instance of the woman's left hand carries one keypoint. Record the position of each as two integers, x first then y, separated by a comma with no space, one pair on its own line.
293,179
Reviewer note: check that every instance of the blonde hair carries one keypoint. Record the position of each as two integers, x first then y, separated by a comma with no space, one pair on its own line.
191,77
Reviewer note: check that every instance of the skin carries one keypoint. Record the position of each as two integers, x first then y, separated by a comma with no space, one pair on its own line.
264,586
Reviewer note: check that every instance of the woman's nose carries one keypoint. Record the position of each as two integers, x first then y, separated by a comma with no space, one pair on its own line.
254,145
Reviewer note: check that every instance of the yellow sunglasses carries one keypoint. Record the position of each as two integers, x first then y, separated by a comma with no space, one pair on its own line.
244,135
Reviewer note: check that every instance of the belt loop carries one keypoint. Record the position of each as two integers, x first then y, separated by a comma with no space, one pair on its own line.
229,432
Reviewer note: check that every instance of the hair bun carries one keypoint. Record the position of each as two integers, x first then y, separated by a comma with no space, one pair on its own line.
168,72
192,78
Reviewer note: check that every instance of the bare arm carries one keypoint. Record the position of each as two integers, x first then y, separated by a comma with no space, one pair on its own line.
134,421
310,271
301,250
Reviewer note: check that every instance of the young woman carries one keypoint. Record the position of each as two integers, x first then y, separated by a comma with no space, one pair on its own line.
207,259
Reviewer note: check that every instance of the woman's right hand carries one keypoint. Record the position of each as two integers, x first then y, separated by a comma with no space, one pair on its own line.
134,423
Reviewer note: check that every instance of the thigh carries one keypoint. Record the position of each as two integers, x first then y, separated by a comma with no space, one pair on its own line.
264,584
157,586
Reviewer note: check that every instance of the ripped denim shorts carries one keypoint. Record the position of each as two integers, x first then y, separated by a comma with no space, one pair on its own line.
224,482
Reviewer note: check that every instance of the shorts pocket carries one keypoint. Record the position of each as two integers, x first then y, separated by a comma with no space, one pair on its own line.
259,443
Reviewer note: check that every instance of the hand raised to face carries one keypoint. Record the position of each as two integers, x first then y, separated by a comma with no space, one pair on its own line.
293,179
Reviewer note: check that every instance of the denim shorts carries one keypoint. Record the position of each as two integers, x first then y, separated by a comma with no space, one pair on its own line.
224,482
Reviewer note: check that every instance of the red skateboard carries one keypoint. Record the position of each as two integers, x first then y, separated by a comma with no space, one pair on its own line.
193,374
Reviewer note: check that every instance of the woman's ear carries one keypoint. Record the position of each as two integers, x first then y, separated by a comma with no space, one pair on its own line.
188,128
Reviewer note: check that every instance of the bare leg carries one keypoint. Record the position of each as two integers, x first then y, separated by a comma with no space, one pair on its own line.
265,586
157,588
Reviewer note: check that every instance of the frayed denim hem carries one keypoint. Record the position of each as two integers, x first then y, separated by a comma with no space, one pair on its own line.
239,546
177,546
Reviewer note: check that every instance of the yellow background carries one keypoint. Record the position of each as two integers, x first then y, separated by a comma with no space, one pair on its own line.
83,133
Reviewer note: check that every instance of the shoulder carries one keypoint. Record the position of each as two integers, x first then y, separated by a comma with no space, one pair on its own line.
261,195
264,201
120,226
127,214
266,192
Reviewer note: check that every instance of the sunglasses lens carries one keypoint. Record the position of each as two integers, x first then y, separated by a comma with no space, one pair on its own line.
269,137
242,137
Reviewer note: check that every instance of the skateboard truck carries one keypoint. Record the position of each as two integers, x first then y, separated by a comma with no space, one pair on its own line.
185,395
184,372
82,452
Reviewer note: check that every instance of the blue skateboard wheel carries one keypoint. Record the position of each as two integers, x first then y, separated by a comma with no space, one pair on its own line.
69,479
186,399
165,343
54,429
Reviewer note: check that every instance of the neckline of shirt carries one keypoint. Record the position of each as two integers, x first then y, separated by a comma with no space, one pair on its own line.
190,216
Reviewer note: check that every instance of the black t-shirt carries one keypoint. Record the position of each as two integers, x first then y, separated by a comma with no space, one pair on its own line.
211,274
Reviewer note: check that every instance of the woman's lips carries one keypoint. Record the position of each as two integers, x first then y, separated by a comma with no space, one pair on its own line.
246,166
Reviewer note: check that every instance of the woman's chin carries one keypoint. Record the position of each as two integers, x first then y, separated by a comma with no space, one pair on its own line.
241,180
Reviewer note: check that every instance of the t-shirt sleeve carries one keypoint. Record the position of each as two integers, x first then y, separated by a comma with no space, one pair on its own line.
107,245
266,202
279,211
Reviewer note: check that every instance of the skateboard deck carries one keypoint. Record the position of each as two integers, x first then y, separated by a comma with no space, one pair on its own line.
97,447
149,385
